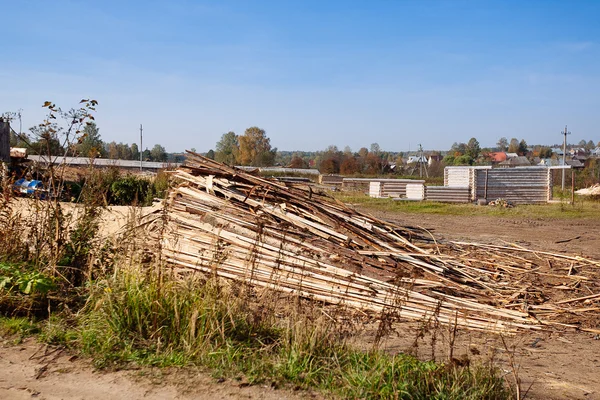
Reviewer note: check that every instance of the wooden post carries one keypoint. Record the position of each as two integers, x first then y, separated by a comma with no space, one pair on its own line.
486,185
573,187
4,140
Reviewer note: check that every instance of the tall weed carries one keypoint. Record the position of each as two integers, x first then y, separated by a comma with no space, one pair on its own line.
206,322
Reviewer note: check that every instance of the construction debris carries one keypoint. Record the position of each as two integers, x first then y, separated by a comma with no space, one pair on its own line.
500,203
593,190
290,237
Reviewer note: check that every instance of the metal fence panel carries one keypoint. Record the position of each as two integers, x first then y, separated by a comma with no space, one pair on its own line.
517,185
448,194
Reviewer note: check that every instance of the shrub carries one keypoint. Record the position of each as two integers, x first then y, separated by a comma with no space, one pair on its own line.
129,190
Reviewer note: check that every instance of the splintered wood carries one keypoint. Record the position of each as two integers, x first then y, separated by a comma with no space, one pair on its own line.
291,238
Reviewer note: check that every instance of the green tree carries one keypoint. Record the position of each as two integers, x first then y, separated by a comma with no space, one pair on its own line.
463,160
545,152
227,149
210,154
472,149
522,147
158,153
502,144
255,148
458,149
124,151
90,144
589,145
135,151
449,159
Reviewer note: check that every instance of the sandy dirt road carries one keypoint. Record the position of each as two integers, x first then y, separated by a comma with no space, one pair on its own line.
35,371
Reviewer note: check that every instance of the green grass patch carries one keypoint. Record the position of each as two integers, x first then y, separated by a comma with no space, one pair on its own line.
583,208
18,327
135,319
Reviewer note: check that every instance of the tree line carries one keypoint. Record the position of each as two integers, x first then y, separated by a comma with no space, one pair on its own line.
471,153
46,141
253,148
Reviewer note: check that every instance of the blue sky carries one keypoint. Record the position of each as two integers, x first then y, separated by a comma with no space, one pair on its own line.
311,73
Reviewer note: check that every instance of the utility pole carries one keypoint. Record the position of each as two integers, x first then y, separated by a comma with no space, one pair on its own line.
564,157
20,124
420,161
142,150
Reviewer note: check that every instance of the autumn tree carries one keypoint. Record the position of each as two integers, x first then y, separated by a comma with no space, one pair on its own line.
349,166
329,166
255,148
227,149
373,164
112,151
513,146
298,162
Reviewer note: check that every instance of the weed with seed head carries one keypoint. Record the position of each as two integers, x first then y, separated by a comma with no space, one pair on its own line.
136,318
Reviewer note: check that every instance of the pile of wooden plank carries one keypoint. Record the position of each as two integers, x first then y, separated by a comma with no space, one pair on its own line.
290,237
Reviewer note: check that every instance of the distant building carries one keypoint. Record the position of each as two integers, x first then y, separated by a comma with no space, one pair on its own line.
574,163
550,162
519,161
497,157
578,151
417,159
435,158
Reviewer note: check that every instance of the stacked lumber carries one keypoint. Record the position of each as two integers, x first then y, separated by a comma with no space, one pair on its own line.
289,237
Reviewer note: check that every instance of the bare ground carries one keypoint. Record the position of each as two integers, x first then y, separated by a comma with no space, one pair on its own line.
550,365
554,365
32,370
